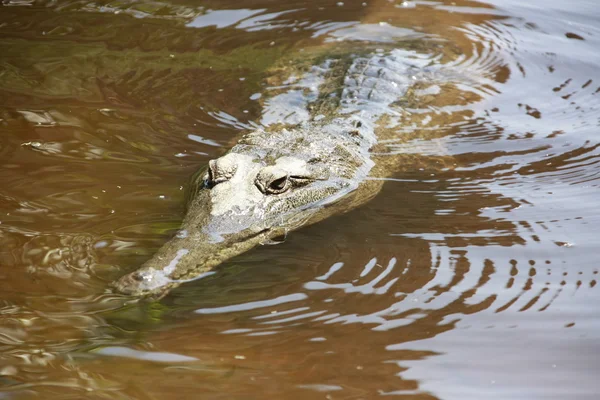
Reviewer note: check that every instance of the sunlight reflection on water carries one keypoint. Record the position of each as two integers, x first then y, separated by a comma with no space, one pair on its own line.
464,279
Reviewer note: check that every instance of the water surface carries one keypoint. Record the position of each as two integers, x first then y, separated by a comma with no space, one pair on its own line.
475,280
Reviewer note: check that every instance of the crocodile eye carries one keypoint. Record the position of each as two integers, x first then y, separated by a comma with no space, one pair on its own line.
209,180
278,185
218,172
285,183
276,180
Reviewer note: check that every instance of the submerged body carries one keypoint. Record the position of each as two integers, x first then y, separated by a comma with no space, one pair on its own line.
293,174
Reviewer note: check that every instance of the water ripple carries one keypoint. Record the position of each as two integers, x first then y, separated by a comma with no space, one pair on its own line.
473,274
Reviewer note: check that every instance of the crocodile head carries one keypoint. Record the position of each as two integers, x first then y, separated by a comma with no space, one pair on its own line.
266,186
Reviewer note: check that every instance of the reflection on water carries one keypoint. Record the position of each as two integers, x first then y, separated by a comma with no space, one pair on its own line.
472,275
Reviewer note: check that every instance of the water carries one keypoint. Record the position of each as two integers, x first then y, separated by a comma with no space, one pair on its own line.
476,281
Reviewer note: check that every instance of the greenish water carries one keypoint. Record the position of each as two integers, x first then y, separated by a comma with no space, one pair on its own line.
476,281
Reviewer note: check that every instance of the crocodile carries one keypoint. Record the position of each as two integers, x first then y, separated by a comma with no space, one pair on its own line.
321,157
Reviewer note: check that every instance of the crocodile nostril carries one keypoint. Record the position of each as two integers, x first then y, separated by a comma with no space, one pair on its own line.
137,277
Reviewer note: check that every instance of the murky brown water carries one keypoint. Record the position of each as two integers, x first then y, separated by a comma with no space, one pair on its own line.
475,282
